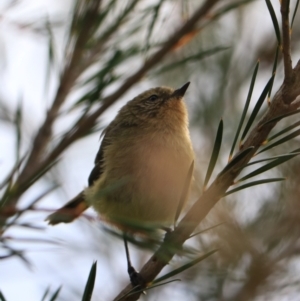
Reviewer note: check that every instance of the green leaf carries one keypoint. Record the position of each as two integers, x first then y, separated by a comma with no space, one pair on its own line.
2,297
134,290
207,229
45,293
280,141
89,287
215,153
271,158
268,166
226,9
278,118
257,106
55,295
254,183
183,197
287,129
192,58
294,14
236,159
274,20
244,110
274,71
18,124
184,267
156,10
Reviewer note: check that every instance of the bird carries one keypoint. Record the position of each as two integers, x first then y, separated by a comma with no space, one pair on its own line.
141,167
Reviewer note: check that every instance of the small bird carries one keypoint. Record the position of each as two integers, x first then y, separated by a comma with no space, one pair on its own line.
141,166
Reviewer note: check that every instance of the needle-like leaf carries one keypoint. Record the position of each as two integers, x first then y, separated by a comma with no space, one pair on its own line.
244,110
267,166
287,129
274,20
257,107
254,183
280,141
89,287
55,295
278,118
294,14
184,192
215,153
184,267
236,159
2,297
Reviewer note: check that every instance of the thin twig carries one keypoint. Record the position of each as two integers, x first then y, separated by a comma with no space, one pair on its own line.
89,121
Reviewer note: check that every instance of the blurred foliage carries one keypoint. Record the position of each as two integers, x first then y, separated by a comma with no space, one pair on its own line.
257,232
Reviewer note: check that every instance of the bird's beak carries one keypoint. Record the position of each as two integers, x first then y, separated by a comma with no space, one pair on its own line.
181,91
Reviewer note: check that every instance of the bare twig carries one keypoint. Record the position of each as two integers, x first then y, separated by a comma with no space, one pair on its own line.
87,122
68,78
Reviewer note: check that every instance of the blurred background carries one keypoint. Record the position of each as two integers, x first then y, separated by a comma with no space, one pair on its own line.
71,53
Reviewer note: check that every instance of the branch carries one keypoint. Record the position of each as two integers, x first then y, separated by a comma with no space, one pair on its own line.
87,122
282,103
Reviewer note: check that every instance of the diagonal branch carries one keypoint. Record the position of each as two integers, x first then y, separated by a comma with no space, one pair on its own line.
68,78
281,104
87,122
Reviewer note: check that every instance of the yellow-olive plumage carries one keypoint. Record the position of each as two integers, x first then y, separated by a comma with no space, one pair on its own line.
142,164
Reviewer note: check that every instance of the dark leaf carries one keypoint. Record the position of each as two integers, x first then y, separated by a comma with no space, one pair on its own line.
214,154
89,287
244,110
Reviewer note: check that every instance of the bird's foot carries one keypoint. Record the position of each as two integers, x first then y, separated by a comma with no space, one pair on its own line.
136,279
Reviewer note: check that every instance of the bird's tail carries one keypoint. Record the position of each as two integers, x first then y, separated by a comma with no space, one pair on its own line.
69,212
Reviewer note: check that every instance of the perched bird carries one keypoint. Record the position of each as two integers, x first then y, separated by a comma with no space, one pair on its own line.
141,166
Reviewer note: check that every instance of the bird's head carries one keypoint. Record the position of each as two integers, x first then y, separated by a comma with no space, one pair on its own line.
161,104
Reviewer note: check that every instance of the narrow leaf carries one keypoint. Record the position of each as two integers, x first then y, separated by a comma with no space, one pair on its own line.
183,197
254,183
207,229
2,297
257,106
282,140
294,14
156,10
278,118
18,124
191,58
244,110
215,153
89,287
236,159
134,290
266,167
45,293
274,20
272,158
287,129
55,295
184,267
274,71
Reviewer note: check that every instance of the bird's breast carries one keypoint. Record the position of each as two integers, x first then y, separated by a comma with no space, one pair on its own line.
151,174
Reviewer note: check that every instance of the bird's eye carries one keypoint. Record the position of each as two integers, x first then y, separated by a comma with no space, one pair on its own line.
153,97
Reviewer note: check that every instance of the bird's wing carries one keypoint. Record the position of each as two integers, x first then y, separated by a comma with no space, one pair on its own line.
75,207
98,168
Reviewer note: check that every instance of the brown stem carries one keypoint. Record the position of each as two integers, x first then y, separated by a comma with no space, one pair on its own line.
89,121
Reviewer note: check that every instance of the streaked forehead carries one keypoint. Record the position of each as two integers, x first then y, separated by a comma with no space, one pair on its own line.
159,91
